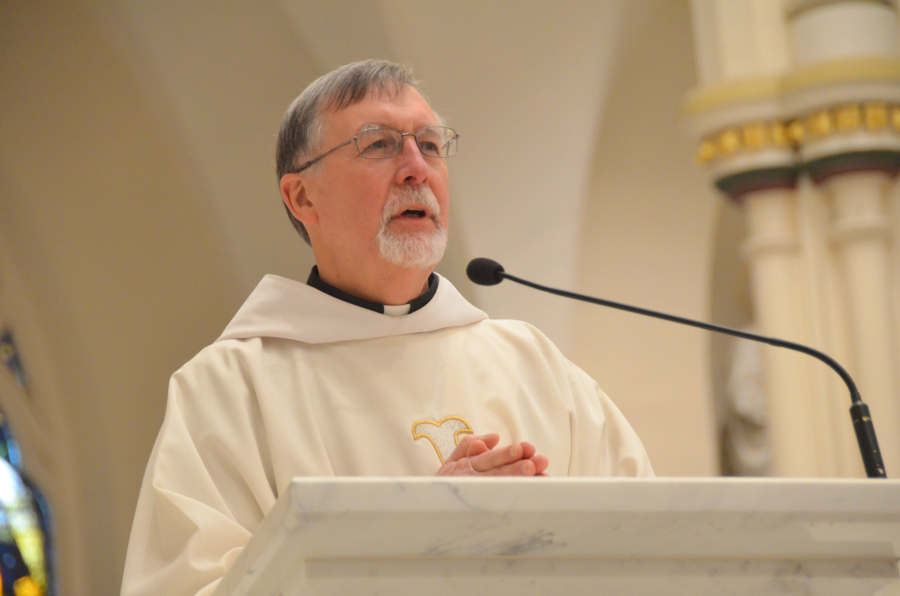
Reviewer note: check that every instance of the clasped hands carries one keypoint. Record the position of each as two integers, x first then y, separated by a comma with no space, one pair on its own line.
476,455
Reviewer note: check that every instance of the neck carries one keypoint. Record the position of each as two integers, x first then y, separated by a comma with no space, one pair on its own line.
390,285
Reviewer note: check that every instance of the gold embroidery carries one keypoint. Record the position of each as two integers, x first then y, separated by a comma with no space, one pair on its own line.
444,437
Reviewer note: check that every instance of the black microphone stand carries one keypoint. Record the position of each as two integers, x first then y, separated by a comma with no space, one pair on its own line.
859,412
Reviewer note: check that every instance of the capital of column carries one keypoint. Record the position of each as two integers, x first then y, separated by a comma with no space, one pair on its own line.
843,93
846,116
859,135
842,118
743,137
821,169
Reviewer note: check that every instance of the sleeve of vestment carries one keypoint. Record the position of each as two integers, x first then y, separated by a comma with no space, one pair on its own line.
600,441
603,442
208,483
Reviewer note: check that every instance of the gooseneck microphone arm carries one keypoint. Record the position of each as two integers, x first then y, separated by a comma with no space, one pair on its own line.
487,272
854,392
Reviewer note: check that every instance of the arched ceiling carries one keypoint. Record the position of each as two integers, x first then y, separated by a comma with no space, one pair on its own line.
522,82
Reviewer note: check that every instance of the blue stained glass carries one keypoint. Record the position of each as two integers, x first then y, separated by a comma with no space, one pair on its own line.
10,561
9,447
9,354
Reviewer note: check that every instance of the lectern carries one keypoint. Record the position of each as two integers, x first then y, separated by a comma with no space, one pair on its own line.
597,536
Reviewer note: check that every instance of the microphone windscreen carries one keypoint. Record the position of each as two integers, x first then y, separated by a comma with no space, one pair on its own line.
485,272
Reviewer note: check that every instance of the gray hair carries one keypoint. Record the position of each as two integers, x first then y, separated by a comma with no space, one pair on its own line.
302,129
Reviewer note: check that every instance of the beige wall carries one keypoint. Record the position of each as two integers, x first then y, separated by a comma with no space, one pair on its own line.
647,238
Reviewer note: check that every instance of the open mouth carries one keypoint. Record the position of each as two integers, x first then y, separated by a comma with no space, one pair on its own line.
413,213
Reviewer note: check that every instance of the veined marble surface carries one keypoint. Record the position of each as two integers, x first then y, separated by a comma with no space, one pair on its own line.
575,536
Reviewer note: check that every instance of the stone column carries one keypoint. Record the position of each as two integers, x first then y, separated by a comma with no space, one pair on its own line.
811,87
754,163
844,94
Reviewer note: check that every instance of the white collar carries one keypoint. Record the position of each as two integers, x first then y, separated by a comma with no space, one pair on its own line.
284,308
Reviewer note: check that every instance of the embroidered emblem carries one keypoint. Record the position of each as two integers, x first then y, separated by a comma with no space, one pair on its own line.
443,434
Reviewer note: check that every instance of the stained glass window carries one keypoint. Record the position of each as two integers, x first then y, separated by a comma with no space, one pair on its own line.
25,533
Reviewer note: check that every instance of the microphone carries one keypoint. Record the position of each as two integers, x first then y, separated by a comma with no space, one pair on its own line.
486,272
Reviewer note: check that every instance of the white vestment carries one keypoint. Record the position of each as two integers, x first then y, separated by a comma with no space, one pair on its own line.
304,384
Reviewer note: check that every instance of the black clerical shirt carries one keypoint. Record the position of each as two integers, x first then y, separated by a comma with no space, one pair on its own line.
318,283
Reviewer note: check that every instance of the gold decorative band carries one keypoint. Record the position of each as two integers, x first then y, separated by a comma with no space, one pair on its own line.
852,117
872,116
748,137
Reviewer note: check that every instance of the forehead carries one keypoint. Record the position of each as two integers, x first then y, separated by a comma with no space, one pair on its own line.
405,111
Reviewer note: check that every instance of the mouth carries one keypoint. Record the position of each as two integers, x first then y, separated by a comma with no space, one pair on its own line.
411,207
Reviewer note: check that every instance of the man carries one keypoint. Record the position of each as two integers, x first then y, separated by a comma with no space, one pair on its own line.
376,366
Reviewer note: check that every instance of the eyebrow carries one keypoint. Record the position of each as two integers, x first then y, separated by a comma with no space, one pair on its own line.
381,124
376,125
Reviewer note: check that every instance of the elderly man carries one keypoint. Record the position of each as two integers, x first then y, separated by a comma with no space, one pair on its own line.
376,366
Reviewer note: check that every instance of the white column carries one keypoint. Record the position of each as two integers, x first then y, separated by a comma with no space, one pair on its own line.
751,159
773,250
861,233
842,92
827,72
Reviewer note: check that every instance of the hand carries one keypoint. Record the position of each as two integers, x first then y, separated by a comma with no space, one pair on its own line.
475,456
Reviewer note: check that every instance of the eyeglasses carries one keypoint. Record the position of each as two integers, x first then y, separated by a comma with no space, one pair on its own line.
383,143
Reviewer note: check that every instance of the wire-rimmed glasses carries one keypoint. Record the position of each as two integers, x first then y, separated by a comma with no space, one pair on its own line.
383,143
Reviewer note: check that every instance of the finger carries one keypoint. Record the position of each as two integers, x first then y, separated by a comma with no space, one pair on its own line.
528,450
496,458
523,467
540,464
535,466
462,448
481,443
476,448
491,440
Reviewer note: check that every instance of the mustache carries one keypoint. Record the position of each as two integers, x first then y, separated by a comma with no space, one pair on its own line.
406,197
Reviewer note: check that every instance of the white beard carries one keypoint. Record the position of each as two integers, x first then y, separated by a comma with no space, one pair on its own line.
419,250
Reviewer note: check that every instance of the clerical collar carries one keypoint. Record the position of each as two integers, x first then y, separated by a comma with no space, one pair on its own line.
386,309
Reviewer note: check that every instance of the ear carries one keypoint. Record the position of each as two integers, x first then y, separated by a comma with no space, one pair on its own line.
295,196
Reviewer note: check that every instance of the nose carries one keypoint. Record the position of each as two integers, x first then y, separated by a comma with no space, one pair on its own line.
413,169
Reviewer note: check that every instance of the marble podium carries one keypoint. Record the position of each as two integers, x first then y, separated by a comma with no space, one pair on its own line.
528,536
